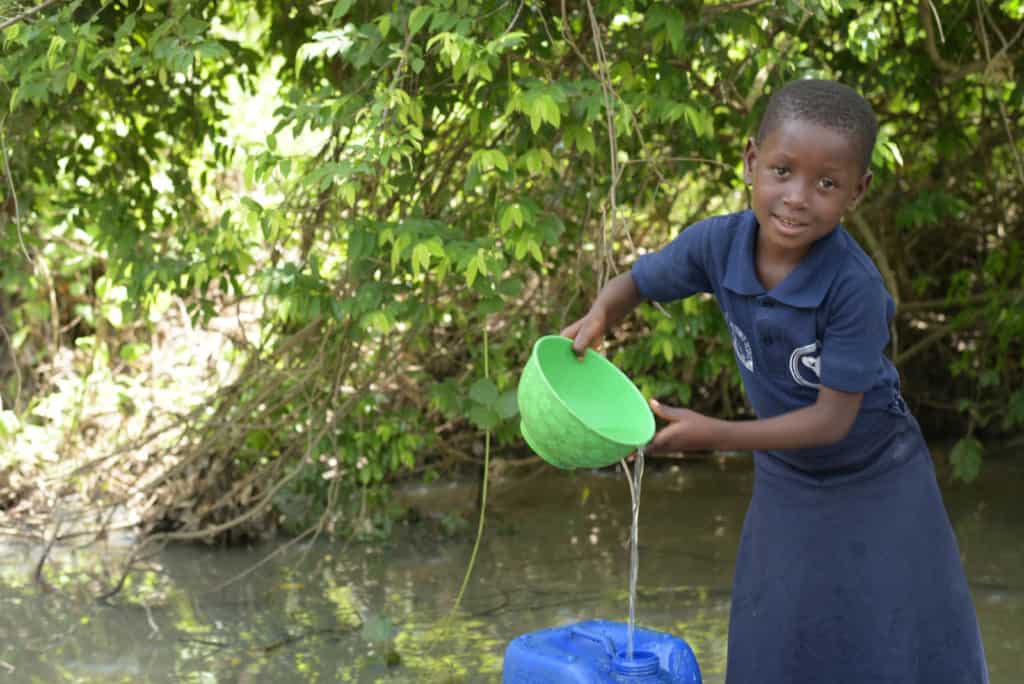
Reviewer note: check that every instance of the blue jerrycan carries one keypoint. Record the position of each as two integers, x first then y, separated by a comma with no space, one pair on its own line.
594,652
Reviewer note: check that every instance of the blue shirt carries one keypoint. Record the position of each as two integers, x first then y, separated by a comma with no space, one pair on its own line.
826,323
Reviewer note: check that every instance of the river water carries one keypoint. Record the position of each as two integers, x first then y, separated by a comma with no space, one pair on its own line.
555,551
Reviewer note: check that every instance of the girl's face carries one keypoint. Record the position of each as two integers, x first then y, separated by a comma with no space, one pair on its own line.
804,177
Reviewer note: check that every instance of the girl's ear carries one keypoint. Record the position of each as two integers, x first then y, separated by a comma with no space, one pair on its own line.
749,158
861,189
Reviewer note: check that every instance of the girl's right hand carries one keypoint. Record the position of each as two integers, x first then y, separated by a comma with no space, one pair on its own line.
586,332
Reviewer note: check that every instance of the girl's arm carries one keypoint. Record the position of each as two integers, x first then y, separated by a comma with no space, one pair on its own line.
826,421
616,299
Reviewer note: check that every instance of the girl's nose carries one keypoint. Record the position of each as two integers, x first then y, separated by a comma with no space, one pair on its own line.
795,195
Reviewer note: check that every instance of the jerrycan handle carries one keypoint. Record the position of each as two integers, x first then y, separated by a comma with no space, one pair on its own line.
602,639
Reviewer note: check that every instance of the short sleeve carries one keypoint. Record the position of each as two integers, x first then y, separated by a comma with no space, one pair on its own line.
856,334
679,269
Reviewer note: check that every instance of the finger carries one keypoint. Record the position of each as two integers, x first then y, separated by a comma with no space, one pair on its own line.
571,330
670,413
585,337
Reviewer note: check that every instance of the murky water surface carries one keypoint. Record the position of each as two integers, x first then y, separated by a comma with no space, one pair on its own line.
555,551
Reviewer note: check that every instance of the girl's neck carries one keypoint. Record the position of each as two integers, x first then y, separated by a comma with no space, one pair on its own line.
773,265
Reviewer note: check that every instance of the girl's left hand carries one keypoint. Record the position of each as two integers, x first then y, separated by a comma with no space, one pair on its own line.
687,430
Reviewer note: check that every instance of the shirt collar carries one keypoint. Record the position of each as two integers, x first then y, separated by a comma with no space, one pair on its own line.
804,288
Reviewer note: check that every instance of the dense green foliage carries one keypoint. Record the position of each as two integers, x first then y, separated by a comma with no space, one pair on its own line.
376,183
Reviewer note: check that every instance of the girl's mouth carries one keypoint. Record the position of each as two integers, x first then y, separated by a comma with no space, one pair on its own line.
788,226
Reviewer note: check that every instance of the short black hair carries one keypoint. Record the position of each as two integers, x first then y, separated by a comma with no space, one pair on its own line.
825,103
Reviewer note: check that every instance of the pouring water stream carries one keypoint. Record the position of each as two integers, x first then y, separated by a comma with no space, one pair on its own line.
634,481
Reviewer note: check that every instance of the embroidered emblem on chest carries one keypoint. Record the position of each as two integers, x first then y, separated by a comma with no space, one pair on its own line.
741,345
805,365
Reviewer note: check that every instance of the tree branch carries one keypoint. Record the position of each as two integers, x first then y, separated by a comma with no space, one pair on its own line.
945,304
954,71
882,261
28,14
730,6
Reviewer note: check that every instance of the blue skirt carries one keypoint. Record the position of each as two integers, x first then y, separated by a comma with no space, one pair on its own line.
852,576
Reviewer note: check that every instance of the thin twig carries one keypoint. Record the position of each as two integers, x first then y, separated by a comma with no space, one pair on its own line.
607,226
38,573
28,14
999,100
14,193
954,71
730,6
263,561
154,629
882,260
515,18
938,21
659,160
942,304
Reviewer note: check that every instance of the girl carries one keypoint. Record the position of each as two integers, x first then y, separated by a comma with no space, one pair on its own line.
848,570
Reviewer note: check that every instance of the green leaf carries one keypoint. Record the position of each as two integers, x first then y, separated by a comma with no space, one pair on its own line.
476,264
510,287
125,29
422,252
471,270
1015,410
211,49
348,193
484,417
326,44
675,28
966,459
485,160
418,17
507,405
540,108
401,242
420,259
341,8
536,160
252,205
444,397
700,121
894,150
484,392
9,424
53,54
488,306
528,245
511,215
505,41
133,351
498,159
535,252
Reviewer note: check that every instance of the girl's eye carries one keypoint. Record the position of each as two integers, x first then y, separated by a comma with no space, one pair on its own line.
827,183
780,171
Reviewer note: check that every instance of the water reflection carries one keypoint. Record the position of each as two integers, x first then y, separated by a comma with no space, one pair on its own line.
555,551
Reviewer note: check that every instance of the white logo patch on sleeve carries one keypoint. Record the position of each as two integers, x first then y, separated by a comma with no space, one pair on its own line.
805,365
741,345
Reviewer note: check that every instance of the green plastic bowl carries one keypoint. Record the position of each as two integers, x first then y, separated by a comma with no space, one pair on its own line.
580,414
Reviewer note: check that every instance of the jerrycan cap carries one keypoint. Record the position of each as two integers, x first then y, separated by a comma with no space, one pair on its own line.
642,663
